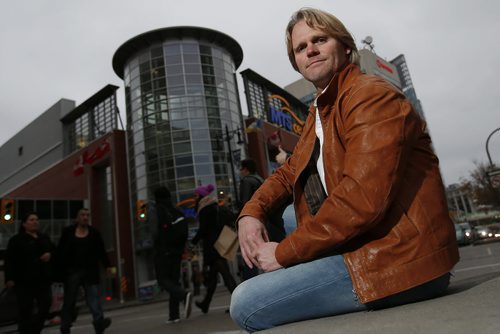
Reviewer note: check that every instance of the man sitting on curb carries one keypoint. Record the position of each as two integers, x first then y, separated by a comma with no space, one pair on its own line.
373,224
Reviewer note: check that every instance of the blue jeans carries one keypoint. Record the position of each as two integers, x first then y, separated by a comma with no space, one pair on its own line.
71,285
315,289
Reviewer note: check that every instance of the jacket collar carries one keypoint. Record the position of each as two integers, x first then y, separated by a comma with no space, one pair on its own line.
326,99
206,201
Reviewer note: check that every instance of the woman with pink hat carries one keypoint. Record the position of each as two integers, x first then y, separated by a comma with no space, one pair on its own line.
208,232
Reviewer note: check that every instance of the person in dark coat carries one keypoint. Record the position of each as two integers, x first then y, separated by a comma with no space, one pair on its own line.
209,230
79,252
170,242
27,271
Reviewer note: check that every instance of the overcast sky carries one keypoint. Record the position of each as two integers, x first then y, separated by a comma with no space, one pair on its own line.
53,49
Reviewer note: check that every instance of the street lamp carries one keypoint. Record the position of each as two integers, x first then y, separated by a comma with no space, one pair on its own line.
493,173
487,150
227,137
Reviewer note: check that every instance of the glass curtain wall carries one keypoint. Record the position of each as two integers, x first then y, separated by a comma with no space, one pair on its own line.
180,96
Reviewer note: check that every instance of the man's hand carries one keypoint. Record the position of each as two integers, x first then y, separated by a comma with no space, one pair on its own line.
10,284
266,256
281,157
251,234
45,257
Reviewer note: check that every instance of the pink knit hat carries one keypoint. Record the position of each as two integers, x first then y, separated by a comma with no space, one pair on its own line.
204,190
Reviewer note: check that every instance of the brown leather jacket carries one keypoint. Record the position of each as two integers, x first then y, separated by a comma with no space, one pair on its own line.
386,210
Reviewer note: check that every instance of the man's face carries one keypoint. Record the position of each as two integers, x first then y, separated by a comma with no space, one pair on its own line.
83,217
244,172
318,55
32,224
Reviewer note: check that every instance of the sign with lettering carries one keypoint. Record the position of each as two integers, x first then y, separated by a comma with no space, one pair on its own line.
285,117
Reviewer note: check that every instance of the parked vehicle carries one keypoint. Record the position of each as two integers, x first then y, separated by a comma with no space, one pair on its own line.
465,234
483,232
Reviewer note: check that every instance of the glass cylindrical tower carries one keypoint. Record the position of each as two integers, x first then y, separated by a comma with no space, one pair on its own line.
181,92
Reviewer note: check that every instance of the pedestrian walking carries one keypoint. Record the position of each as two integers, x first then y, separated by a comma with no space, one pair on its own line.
208,232
79,253
28,272
170,243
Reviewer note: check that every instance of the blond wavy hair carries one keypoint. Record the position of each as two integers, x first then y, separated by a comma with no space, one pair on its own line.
323,21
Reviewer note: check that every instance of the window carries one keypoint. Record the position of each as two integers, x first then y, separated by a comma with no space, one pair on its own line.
180,124
191,59
193,79
186,184
190,48
44,209
204,169
204,49
98,120
173,60
184,160
184,171
24,207
174,70
199,123
178,136
192,68
201,146
61,210
195,89
182,148
172,49
175,80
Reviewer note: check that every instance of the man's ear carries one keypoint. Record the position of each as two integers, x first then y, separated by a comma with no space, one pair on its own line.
348,51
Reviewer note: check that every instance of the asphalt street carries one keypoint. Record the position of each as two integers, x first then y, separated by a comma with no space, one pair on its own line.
478,264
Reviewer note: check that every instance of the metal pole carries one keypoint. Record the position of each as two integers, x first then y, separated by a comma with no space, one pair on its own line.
487,150
114,185
228,139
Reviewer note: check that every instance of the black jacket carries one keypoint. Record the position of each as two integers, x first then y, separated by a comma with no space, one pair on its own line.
67,252
275,226
248,185
22,260
208,231
172,230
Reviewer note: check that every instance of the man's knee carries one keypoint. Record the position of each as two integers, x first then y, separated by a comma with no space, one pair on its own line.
239,302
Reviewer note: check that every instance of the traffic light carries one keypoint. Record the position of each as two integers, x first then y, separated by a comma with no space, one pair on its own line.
7,209
142,210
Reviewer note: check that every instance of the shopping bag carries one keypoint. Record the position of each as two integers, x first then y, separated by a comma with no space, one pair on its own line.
227,243
57,297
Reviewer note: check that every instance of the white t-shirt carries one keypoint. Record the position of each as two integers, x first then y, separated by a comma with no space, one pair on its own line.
319,133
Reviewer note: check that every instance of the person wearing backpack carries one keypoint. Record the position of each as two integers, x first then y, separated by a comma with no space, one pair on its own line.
211,223
170,241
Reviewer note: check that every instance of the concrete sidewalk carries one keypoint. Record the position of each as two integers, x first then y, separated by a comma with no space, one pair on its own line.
470,306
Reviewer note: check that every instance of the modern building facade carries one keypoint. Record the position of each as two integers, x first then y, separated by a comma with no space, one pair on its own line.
275,118
371,63
183,117
407,83
460,203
